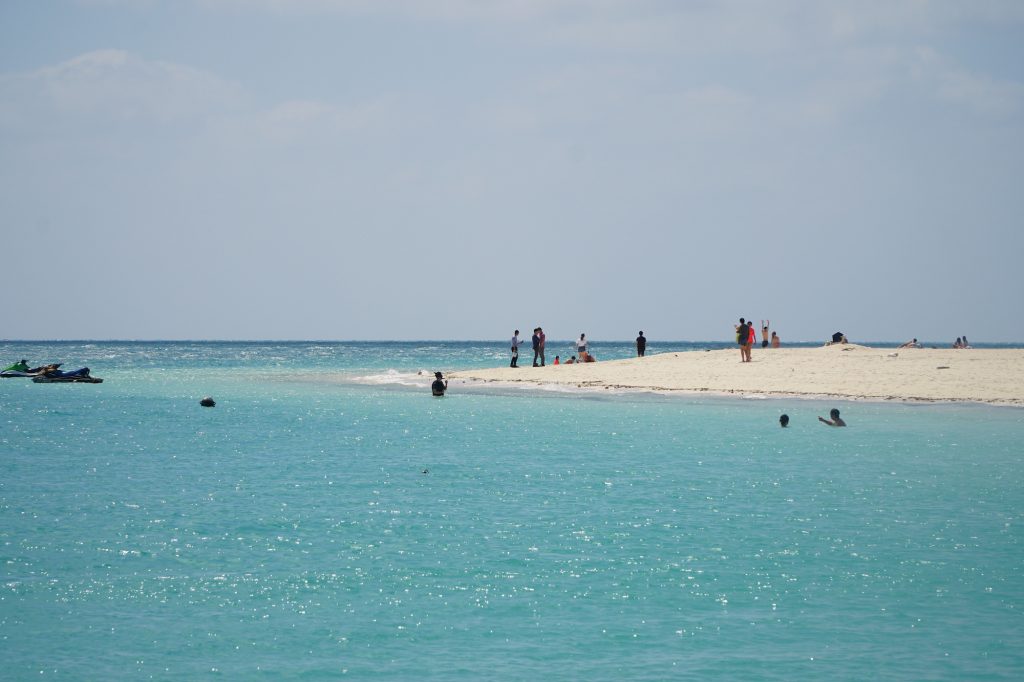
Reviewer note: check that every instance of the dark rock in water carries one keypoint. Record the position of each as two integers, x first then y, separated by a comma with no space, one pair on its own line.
207,402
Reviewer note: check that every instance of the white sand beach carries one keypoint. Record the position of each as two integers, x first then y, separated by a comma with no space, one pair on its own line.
850,371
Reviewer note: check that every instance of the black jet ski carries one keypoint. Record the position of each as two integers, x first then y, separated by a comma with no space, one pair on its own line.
78,376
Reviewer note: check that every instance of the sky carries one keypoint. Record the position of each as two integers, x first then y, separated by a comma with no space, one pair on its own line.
456,169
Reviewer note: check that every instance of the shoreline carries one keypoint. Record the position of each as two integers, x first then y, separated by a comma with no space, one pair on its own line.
844,372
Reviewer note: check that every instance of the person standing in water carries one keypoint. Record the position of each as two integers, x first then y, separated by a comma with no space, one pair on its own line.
641,345
439,386
835,420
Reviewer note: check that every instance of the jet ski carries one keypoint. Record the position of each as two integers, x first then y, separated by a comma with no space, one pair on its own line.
78,376
20,369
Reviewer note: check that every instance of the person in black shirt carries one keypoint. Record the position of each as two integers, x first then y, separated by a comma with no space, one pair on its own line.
743,339
439,386
641,345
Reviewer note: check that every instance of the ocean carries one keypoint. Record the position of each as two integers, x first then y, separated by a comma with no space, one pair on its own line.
330,519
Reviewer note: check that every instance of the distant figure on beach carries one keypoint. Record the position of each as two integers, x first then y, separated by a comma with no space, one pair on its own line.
835,420
571,361
838,337
543,342
784,421
590,358
581,348
751,337
536,344
641,345
958,343
966,345
912,344
556,360
775,340
439,386
764,332
515,349
742,338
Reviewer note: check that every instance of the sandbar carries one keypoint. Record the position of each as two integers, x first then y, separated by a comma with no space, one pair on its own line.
845,371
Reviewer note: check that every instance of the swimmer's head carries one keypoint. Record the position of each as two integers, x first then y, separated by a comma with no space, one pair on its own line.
784,421
834,413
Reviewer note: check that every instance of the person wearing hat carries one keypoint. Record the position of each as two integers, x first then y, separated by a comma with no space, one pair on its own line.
439,386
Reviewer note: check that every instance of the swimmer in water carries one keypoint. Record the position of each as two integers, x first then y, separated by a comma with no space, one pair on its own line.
439,386
784,421
834,421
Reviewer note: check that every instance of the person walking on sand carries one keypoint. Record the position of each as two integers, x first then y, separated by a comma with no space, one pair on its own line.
764,332
581,348
742,337
641,345
515,349
835,420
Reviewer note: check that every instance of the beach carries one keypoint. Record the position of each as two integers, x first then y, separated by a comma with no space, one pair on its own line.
845,371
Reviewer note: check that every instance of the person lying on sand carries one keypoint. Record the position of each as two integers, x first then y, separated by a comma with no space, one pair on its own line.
911,344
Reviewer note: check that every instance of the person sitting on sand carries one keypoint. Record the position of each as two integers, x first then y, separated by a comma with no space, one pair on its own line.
775,340
965,344
911,344
590,358
835,421
439,386
556,360
838,337
571,361
958,343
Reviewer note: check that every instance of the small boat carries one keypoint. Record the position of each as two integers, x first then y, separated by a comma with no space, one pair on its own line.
78,376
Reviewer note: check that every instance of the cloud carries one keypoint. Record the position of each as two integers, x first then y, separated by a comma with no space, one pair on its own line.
954,84
117,86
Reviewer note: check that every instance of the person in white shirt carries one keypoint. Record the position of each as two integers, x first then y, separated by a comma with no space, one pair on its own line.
515,349
581,348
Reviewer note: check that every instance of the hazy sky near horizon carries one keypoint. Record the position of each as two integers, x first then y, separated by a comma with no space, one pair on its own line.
446,169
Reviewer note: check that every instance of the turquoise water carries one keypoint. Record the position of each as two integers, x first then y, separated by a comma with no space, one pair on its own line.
317,526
